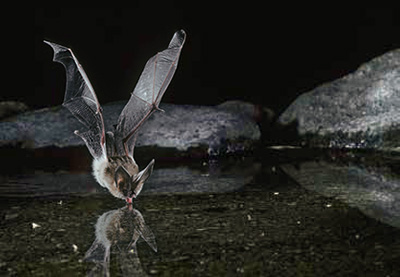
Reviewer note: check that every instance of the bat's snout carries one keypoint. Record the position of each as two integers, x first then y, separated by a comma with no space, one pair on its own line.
129,200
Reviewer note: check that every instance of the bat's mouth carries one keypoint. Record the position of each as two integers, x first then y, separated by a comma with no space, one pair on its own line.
129,200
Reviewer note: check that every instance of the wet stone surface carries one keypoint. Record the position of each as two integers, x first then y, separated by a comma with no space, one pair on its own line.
359,110
270,226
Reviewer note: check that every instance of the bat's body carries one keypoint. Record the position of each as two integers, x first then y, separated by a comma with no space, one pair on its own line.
113,164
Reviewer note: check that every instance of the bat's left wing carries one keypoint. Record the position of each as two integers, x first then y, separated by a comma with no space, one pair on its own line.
146,96
80,99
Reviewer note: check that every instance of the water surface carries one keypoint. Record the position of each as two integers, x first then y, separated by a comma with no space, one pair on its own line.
285,214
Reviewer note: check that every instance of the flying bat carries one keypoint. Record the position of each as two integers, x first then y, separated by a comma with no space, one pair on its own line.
113,164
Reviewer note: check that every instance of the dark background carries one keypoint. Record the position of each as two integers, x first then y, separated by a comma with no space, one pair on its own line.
259,53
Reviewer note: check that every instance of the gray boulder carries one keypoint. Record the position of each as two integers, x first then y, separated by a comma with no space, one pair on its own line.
360,110
215,129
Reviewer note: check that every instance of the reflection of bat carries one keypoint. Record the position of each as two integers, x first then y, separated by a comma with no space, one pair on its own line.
113,164
119,229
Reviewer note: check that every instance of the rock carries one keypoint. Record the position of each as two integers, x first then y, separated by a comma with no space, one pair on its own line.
360,110
8,108
216,129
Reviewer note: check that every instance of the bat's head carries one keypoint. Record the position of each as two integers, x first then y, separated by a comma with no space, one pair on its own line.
130,186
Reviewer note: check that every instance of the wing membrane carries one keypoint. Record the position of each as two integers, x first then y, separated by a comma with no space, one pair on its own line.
80,99
146,96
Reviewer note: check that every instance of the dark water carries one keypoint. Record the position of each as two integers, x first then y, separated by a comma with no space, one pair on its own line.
286,213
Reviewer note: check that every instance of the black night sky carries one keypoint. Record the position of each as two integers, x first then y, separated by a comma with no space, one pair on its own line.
262,54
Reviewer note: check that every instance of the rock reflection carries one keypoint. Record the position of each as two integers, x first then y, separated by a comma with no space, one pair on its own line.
374,191
211,176
120,230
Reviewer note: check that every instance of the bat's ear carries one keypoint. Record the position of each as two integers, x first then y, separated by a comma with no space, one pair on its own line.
142,176
123,180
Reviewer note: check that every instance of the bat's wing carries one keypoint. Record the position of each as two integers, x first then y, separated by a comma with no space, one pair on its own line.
80,99
100,255
146,97
143,230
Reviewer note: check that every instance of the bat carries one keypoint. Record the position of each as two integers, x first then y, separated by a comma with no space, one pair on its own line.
113,164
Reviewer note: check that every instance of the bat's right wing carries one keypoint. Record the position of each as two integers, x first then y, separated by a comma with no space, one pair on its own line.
80,99
144,231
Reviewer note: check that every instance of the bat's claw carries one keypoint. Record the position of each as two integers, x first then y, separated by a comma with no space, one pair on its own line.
160,110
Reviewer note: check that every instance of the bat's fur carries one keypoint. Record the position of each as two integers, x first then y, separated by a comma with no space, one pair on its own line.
104,171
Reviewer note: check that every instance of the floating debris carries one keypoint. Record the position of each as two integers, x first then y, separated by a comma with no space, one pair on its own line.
35,225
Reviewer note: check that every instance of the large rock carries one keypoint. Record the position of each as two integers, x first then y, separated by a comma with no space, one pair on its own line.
360,110
215,129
